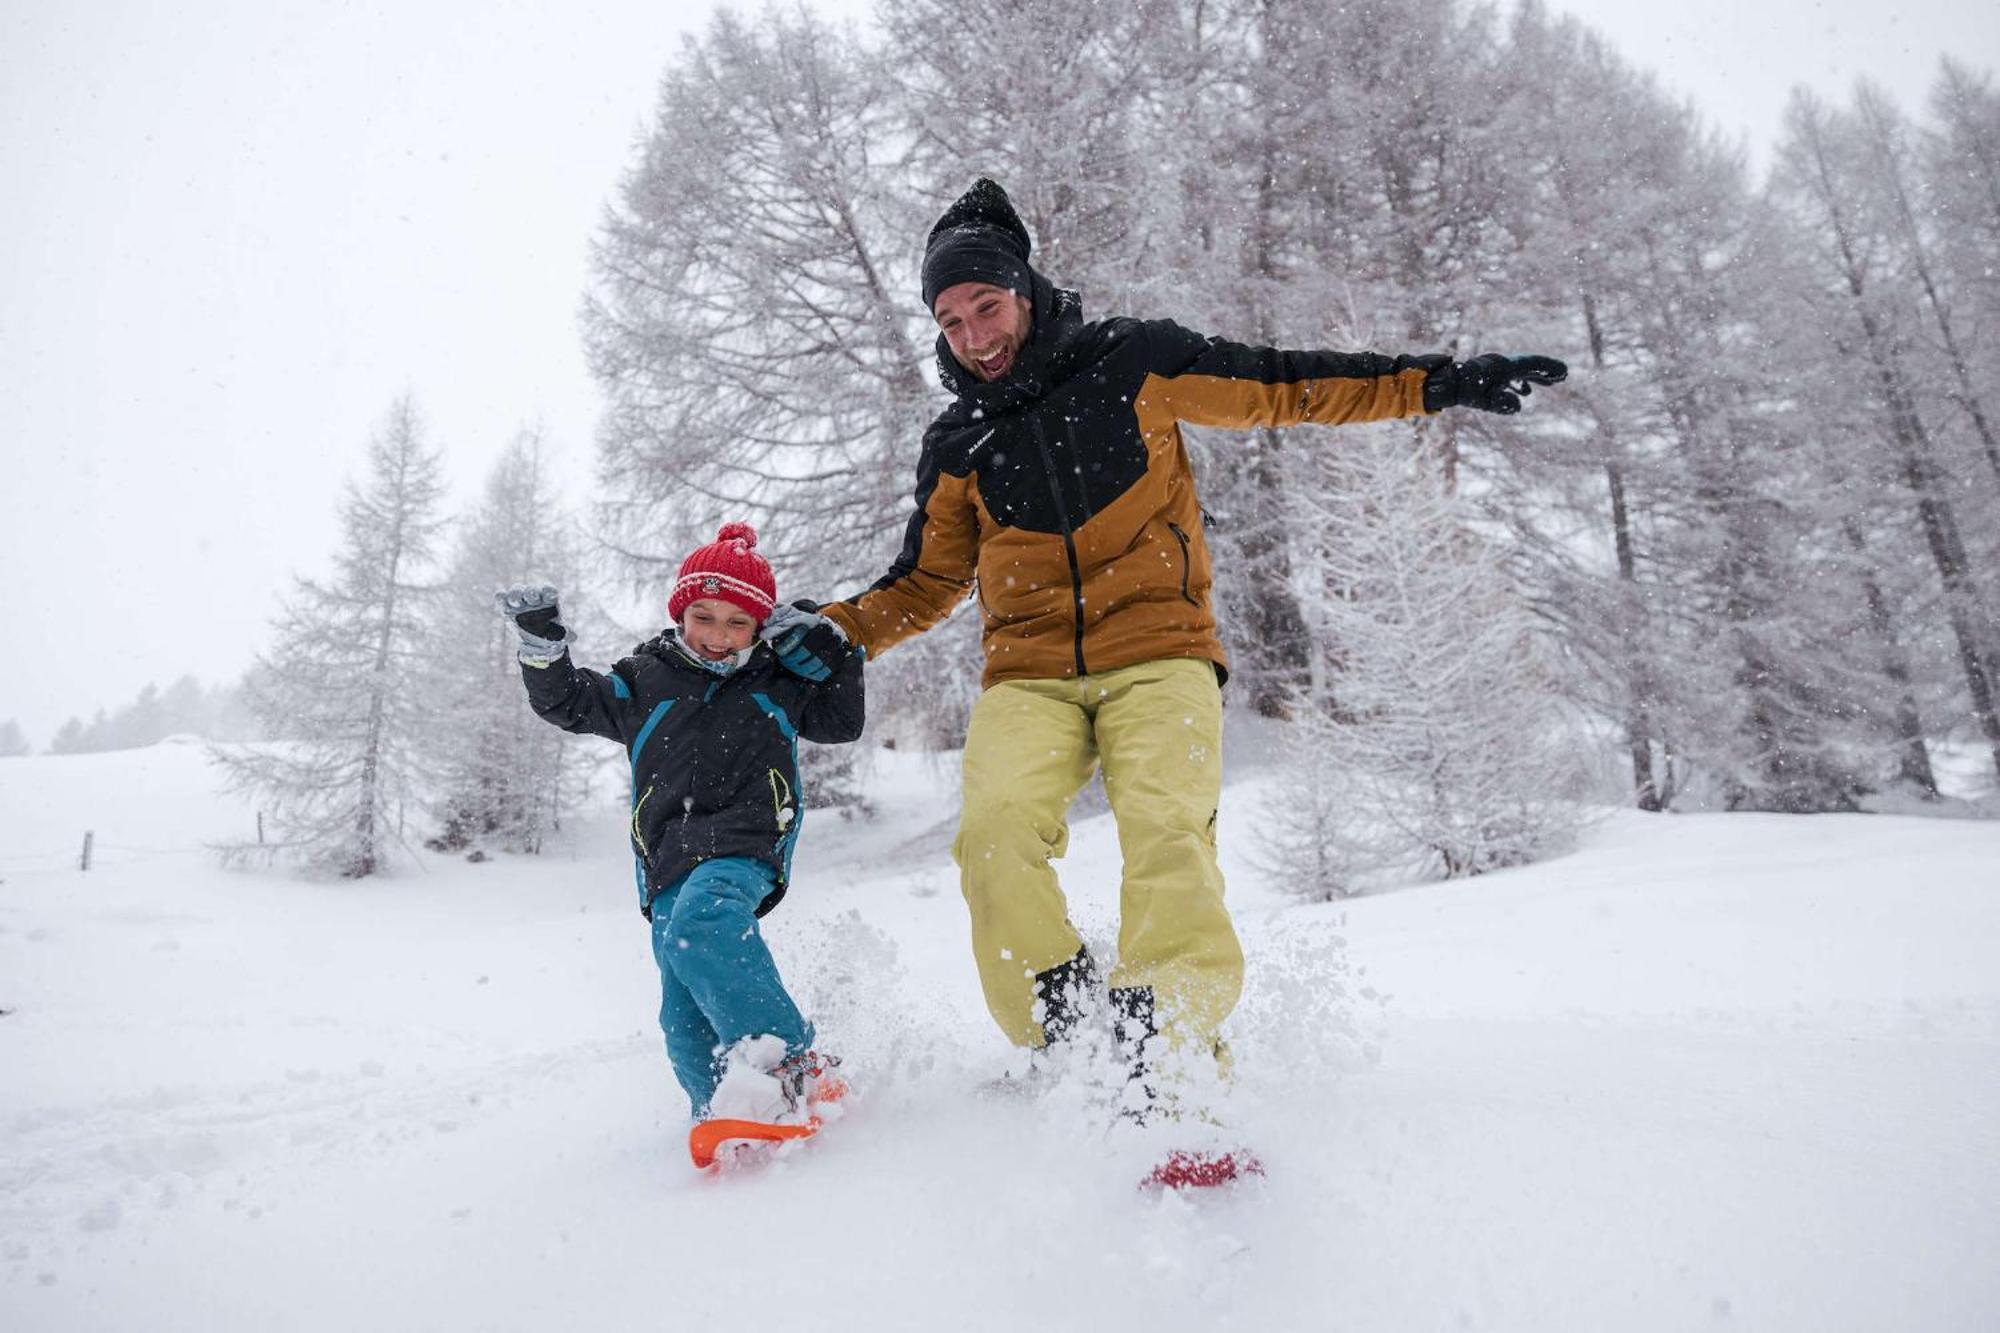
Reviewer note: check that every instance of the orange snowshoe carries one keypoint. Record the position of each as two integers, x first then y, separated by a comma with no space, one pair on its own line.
820,1085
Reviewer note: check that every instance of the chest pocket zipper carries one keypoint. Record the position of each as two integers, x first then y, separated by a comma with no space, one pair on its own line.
781,802
638,836
1187,561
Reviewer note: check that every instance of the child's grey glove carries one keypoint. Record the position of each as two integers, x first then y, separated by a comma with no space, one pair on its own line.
807,643
537,621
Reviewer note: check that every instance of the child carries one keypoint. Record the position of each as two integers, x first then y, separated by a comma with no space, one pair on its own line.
710,712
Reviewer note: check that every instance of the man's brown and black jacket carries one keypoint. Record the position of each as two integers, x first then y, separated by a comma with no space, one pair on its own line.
1062,492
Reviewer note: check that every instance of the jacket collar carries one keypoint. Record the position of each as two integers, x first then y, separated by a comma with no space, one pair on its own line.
668,647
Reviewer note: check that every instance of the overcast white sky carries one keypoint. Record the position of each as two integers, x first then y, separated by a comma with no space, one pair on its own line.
235,230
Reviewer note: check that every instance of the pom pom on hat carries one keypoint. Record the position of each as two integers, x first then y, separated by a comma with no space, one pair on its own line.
728,569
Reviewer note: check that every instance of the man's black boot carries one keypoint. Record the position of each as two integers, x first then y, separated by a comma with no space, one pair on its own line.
1134,1031
1064,991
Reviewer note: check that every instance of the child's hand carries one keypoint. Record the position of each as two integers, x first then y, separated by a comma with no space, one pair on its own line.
807,643
537,620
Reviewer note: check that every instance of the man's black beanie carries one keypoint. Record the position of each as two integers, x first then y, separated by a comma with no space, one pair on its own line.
979,239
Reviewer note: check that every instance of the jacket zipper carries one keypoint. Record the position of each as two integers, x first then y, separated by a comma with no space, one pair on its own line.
1068,536
1187,561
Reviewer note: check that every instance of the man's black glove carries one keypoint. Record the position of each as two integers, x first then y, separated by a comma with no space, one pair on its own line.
1490,382
537,621
807,643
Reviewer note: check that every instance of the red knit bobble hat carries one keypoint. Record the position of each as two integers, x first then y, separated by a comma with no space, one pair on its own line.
729,570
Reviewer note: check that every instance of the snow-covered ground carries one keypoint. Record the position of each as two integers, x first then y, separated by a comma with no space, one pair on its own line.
1709,1071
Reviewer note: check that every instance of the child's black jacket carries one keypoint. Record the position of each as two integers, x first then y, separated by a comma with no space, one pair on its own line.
715,769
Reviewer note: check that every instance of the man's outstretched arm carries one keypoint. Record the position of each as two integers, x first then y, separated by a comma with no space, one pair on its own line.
931,575
1214,382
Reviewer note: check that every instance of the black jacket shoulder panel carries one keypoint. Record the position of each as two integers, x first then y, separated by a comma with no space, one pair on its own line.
1170,348
1174,350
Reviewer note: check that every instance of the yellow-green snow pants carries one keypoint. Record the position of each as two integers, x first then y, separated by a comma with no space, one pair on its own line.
1032,744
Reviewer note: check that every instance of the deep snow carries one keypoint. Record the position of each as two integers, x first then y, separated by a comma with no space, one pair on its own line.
1709,1071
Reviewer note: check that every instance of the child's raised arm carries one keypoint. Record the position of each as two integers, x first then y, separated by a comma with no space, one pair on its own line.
572,697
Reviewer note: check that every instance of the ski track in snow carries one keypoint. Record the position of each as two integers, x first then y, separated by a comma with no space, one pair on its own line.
1709,1072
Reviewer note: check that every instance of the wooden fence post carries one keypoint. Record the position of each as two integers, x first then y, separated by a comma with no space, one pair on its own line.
84,862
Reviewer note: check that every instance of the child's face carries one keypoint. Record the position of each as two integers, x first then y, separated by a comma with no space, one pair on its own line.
717,629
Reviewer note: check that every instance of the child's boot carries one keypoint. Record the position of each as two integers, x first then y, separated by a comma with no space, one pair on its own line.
812,1080
750,1088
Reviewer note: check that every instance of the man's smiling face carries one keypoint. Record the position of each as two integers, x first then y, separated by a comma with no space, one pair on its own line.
985,326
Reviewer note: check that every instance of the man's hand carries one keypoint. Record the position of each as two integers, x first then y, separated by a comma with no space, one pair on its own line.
807,643
537,621
1490,382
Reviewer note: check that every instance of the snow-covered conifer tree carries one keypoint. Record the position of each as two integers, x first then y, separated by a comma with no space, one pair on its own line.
1962,194
756,325
12,742
341,686
500,777
1875,323
1438,743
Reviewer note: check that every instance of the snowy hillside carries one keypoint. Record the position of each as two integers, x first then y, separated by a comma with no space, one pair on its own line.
1710,1071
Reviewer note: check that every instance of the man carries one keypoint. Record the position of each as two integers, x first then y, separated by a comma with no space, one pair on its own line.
1057,484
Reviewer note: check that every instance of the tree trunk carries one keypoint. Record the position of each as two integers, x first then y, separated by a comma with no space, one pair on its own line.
1948,552
1638,720
1914,764
1277,640
367,857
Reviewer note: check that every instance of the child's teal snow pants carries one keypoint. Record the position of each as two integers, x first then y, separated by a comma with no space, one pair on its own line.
718,984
